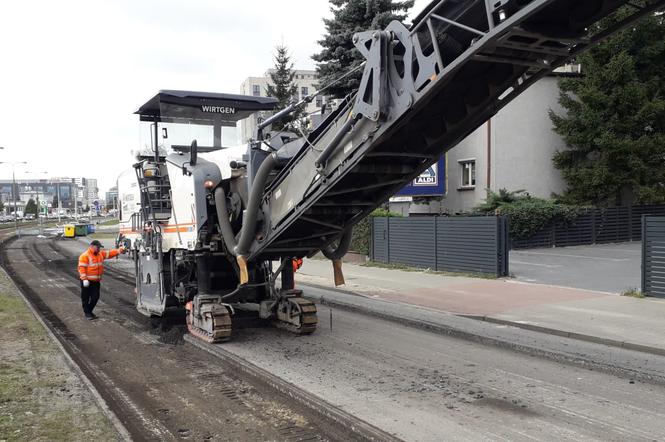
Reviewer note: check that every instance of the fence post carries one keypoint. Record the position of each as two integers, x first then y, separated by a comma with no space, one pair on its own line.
506,246
497,245
593,226
436,242
371,238
630,223
644,254
554,234
388,240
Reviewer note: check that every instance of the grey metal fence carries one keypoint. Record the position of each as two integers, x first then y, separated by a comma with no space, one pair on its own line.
455,244
653,255
593,226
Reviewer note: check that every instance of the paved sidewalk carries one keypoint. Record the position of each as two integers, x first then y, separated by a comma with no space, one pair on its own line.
596,316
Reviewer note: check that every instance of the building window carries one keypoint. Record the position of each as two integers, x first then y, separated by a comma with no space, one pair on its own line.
256,90
304,91
468,173
319,101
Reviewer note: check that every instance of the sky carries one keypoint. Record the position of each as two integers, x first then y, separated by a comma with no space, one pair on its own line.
72,72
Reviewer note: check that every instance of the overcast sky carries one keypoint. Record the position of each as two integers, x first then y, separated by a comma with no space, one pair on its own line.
72,72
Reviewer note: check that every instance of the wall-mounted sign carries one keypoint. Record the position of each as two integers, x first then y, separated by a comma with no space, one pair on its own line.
432,182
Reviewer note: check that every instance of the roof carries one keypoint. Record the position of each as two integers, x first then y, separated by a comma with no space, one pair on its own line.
202,107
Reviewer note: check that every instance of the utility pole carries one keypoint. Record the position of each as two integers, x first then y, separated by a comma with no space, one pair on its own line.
18,231
57,186
76,201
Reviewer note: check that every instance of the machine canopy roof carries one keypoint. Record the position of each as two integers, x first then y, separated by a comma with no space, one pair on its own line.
204,108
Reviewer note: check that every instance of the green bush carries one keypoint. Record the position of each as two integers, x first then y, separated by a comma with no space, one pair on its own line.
362,232
527,214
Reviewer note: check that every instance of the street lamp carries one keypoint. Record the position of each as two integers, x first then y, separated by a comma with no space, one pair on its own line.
13,164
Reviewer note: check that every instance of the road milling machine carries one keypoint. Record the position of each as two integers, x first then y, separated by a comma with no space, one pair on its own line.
215,228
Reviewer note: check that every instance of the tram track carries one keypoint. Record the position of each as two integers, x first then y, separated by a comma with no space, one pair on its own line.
219,389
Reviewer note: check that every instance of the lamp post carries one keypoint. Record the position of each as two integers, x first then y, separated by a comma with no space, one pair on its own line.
13,164
57,187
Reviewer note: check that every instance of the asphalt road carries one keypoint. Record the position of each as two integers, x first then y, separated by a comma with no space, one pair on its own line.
603,267
423,386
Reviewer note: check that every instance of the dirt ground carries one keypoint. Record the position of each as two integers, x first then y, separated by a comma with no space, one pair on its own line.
41,398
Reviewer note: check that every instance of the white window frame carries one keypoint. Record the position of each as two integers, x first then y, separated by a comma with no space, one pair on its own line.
472,173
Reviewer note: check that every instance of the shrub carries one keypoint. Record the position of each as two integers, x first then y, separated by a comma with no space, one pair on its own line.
527,214
362,232
633,293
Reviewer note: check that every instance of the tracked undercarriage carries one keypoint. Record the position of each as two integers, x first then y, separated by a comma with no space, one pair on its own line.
211,320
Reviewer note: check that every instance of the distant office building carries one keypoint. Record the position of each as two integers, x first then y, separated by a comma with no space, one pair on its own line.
258,86
87,191
112,197
93,190
46,191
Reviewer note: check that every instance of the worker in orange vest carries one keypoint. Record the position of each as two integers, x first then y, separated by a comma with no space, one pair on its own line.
91,267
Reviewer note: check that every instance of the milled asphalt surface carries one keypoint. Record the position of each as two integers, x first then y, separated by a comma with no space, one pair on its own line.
422,385
159,389
427,387
602,267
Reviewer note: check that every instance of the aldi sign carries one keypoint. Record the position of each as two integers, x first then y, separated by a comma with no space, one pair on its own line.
429,183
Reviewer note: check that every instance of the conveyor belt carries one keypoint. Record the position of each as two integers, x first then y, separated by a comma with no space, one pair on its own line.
424,90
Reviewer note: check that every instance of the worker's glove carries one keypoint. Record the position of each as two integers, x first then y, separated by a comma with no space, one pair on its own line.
86,283
122,249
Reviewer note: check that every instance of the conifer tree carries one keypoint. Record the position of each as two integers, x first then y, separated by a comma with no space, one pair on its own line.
283,87
614,123
338,54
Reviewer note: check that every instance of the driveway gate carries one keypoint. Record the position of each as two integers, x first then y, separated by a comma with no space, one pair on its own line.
653,255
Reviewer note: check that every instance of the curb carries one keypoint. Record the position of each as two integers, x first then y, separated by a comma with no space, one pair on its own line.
363,429
572,335
111,416
657,351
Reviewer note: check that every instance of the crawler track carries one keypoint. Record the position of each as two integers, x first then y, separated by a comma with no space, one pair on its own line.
160,390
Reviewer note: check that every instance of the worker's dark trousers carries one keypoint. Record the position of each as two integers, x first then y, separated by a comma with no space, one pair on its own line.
90,296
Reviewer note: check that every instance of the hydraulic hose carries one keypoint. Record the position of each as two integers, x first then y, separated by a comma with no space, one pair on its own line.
251,214
342,247
224,223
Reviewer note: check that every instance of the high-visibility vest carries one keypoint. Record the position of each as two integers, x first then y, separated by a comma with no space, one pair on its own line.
91,265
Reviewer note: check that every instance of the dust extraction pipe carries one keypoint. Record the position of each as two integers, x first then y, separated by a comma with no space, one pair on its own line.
342,247
224,223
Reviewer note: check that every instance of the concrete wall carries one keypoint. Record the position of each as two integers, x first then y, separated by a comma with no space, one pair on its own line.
526,142
522,146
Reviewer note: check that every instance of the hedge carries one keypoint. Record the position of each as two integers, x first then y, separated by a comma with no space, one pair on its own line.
362,232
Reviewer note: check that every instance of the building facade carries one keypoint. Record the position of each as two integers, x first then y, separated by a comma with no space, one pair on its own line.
45,191
305,80
91,191
512,151
112,198
78,193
